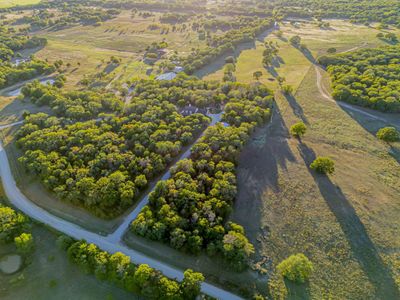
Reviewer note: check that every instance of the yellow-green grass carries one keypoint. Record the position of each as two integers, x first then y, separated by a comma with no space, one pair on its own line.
125,33
336,222
11,3
293,64
84,59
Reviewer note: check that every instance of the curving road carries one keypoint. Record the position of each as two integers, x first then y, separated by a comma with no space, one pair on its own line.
324,92
111,243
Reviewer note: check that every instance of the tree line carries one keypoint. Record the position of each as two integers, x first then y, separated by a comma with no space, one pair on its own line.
224,43
139,279
366,77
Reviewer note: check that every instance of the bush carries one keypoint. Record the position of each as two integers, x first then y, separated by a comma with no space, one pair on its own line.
323,165
388,134
287,89
24,243
298,129
296,268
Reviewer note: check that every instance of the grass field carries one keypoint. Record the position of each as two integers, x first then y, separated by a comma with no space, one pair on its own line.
292,64
11,3
348,223
88,48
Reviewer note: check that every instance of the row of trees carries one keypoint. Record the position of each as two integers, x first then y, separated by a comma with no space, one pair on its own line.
139,279
189,210
71,15
366,77
226,42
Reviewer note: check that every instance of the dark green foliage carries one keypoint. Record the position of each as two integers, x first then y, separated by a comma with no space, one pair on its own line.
367,77
139,279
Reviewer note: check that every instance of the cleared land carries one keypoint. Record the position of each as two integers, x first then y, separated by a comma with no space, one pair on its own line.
348,223
11,3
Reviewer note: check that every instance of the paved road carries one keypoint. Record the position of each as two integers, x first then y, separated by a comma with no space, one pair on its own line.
372,115
106,243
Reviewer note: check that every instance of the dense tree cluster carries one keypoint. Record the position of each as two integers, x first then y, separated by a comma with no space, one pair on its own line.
226,42
189,210
10,74
366,77
73,105
103,164
139,279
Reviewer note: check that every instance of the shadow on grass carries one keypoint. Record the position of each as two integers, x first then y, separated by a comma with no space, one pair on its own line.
296,107
373,125
298,291
363,248
219,62
260,164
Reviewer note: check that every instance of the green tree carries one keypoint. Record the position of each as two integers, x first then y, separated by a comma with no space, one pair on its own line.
24,243
298,129
388,134
190,285
323,165
11,224
296,268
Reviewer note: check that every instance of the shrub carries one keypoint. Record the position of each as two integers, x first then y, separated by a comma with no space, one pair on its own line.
298,129
277,288
388,134
287,89
323,165
24,243
296,268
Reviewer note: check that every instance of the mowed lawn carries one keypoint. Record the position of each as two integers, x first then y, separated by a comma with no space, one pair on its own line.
11,3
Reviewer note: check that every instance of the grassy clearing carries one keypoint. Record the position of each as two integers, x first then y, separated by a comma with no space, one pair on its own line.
11,3
292,64
346,224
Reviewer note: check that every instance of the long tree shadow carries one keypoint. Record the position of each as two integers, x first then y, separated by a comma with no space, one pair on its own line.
296,107
373,125
362,247
219,62
258,171
297,291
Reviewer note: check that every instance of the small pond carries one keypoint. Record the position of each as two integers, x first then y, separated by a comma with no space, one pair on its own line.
10,263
